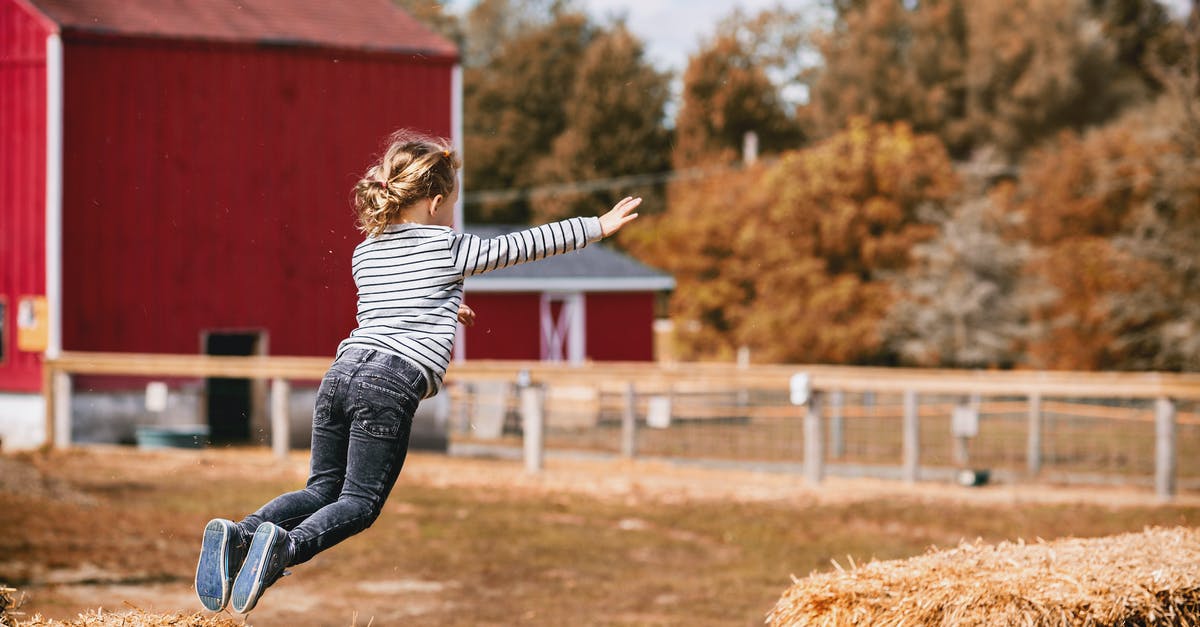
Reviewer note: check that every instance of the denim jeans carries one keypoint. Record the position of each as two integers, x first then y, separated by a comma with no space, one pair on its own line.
361,425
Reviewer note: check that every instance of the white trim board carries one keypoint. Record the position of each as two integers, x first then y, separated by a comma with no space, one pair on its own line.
54,190
565,284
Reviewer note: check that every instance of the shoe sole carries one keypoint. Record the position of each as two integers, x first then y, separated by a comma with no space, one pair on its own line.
247,588
213,579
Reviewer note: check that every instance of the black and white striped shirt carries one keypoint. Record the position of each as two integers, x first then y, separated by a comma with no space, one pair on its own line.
410,283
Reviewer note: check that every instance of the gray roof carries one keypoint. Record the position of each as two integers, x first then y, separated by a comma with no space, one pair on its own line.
595,268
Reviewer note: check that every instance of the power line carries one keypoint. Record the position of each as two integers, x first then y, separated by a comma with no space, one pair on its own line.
595,185
500,196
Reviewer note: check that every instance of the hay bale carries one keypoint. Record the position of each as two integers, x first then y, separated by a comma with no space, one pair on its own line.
9,601
1148,578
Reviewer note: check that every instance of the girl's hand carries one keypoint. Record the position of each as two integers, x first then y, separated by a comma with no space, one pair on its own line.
466,315
619,216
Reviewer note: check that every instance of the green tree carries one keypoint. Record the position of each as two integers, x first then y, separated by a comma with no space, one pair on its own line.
614,127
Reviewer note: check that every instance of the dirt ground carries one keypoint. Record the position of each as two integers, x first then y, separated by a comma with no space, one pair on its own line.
481,542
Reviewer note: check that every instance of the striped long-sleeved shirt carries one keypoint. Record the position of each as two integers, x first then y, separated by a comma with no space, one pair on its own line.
410,283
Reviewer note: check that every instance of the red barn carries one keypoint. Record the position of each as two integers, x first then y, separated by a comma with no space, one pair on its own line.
175,176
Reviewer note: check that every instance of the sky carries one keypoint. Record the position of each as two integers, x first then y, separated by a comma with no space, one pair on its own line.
672,29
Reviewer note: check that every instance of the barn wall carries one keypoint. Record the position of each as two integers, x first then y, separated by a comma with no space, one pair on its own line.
207,186
507,326
620,326
22,183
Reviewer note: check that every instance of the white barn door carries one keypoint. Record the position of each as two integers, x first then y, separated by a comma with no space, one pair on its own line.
564,336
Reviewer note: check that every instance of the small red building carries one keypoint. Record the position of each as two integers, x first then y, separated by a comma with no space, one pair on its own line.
175,176
594,304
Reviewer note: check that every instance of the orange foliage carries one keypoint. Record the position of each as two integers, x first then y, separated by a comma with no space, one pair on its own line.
787,259
1076,197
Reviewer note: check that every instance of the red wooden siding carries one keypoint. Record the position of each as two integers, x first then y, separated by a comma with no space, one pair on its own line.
22,182
207,186
620,326
507,326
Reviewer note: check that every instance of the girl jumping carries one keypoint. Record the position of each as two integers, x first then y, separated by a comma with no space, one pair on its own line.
409,272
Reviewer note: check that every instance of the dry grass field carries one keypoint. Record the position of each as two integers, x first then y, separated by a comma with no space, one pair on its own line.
480,542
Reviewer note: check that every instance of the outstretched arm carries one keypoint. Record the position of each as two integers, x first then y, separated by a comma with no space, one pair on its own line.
474,255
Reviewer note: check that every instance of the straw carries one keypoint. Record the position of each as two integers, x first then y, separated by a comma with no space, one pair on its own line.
1148,578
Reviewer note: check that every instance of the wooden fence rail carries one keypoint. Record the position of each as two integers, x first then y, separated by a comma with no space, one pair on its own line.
630,379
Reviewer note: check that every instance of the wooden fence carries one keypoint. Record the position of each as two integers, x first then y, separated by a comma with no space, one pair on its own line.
822,409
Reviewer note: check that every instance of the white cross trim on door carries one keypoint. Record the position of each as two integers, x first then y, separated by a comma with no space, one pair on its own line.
563,327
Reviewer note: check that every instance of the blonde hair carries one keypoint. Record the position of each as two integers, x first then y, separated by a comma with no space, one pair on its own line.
413,167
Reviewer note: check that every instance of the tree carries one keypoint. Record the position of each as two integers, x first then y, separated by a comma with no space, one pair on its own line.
513,110
614,127
1039,66
433,14
491,24
889,62
1114,216
792,259
962,304
728,90
976,73
1141,32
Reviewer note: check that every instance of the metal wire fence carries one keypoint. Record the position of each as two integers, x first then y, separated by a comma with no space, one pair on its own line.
1128,428
1079,440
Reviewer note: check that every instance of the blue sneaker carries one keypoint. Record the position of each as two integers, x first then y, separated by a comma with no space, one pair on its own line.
221,554
268,554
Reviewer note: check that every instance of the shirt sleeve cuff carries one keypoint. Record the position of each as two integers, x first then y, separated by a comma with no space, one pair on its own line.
591,227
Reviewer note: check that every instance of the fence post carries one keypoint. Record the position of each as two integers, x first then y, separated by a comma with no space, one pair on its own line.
912,437
62,409
1164,448
814,466
280,440
629,423
1033,445
532,426
837,438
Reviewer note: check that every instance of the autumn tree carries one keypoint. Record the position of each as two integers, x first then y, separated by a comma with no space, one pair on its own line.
614,127
976,73
434,14
890,61
728,90
792,259
514,110
693,241
1114,216
963,303
491,24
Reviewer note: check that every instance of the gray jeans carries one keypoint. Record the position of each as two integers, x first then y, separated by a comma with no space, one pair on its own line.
361,425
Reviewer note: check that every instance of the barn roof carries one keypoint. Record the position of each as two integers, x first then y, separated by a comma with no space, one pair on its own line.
376,25
596,268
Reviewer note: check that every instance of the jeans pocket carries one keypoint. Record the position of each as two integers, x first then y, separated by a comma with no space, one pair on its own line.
323,408
384,408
